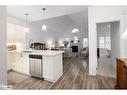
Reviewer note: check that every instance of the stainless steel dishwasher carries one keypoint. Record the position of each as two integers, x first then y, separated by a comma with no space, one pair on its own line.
36,66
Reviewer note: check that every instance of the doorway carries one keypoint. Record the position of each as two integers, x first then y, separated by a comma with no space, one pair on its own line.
108,47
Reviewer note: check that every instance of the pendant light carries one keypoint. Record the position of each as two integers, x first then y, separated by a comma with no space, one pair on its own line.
44,28
26,26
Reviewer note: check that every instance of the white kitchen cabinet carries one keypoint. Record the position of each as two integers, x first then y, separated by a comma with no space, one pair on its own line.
20,34
9,60
15,33
11,33
21,63
52,67
52,64
48,68
17,62
25,63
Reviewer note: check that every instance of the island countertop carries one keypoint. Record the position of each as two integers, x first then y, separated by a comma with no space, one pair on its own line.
45,52
38,52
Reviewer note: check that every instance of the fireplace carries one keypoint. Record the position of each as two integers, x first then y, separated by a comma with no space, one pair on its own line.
74,48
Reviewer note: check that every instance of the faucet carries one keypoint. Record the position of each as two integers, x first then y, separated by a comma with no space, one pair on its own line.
32,44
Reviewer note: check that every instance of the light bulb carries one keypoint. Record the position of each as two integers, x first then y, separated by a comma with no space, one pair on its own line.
49,42
75,30
27,30
44,28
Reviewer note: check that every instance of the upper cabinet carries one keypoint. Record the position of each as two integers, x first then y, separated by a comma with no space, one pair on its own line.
15,33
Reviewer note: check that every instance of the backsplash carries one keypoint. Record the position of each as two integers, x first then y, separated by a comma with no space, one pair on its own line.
11,47
15,46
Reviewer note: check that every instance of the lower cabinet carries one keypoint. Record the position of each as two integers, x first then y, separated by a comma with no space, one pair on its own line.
48,68
25,63
52,67
20,62
9,60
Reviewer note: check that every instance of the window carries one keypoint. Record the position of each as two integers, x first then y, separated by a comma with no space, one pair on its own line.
67,42
85,42
101,42
105,42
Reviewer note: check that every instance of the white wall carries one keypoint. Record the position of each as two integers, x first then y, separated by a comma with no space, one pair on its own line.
125,46
124,40
115,43
3,67
99,15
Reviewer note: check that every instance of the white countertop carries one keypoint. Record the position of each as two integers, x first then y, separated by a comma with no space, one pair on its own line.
40,52
46,52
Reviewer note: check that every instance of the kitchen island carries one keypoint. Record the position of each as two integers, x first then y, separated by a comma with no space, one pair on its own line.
52,63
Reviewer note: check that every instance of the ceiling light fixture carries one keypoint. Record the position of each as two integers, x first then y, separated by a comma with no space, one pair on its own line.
75,30
44,28
26,23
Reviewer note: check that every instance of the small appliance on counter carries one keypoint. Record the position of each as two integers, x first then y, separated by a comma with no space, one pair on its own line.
38,46
11,47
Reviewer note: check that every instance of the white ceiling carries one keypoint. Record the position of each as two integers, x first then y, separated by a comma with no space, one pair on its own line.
36,13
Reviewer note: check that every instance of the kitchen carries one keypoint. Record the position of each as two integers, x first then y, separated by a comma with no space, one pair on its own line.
37,63
37,60
48,52
38,45
59,50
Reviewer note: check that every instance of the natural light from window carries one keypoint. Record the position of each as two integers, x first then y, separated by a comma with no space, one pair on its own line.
105,42
85,42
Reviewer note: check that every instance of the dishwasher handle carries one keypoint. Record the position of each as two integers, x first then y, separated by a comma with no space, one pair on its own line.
35,56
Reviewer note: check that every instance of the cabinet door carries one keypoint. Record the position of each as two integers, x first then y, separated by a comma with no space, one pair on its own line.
13,61
15,33
20,32
18,62
8,61
48,67
11,33
25,64
124,76
58,66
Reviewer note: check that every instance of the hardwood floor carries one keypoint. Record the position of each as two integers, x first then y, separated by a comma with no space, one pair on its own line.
75,77
105,67
18,82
